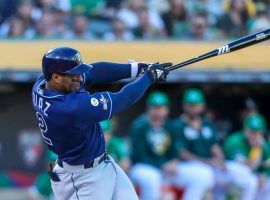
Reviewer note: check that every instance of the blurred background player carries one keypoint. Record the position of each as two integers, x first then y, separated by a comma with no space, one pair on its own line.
116,146
249,148
42,187
152,145
197,148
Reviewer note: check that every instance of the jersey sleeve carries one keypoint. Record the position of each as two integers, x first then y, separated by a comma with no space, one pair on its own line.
101,106
180,141
138,144
105,72
233,150
94,108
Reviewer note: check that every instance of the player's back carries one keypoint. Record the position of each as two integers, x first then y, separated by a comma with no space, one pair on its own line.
61,125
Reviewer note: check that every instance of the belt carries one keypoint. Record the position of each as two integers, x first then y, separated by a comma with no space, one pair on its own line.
92,163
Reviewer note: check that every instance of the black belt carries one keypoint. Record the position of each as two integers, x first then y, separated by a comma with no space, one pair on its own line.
90,163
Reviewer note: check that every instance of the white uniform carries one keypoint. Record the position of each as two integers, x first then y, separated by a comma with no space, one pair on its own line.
195,177
79,183
238,176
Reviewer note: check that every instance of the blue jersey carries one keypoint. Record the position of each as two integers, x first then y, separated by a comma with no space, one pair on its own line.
69,123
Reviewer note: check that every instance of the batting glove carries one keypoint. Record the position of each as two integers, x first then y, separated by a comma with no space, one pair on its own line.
158,72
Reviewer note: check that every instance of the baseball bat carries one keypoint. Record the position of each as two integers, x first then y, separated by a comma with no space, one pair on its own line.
227,48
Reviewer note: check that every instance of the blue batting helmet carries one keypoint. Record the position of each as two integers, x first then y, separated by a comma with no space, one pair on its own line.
63,60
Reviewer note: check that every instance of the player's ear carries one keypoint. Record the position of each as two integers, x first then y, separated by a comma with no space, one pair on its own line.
57,78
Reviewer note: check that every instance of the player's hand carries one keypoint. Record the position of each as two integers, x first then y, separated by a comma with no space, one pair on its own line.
158,72
142,67
171,167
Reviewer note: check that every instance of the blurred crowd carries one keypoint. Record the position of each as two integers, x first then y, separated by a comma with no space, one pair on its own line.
132,19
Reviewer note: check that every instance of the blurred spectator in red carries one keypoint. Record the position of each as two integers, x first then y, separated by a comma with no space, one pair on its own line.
118,32
146,30
176,19
262,19
80,29
233,22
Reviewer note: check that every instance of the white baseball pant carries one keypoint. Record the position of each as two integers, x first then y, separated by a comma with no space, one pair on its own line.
107,181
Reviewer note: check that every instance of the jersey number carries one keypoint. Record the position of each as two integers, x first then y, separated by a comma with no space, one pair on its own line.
43,128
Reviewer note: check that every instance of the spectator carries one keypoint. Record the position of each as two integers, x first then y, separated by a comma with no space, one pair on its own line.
88,8
200,28
152,137
116,146
248,148
23,14
159,6
118,32
17,28
80,29
111,8
129,15
45,28
145,30
262,19
176,19
213,8
233,23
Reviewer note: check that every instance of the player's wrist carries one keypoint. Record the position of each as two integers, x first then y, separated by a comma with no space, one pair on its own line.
134,69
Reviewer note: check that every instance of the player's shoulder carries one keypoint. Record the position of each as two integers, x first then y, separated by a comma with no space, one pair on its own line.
177,122
140,122
116,140
237,137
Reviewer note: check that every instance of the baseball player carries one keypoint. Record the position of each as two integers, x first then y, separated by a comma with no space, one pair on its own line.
204,165
152,137
42,187
249,148
69,119
195,144
116,146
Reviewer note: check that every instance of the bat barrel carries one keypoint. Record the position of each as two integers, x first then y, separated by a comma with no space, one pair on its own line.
233,46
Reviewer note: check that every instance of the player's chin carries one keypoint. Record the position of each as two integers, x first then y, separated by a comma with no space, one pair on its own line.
74,87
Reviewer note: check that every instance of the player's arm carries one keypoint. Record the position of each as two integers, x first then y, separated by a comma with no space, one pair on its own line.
102,106
132,92
105,72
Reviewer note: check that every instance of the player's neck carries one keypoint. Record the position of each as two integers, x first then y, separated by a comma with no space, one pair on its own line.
156,122
53,87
